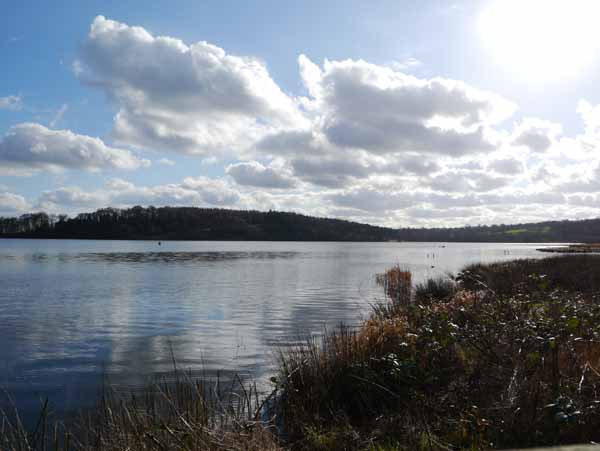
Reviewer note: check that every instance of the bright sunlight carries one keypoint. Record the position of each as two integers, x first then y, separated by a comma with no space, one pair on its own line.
542,40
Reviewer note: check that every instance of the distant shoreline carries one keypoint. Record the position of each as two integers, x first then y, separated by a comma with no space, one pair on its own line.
241,240
206,224
573,249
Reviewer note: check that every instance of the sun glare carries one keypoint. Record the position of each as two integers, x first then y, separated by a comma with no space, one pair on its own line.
542,40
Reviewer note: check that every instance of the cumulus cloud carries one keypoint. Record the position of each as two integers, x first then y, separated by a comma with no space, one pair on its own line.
290,143
536,134
574,179
371,200
330,170
506,166
166,162
69,198
190,98
369,120
253,173
590,114
375,108
367,142
197,98
13,103
200,191
193,191
31,146
406,163
12,204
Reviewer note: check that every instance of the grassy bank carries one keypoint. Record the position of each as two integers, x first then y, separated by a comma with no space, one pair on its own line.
502,356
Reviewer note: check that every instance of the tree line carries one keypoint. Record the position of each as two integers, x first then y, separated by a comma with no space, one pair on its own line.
190,223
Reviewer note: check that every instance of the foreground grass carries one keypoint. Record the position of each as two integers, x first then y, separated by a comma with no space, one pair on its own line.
504,355
182,415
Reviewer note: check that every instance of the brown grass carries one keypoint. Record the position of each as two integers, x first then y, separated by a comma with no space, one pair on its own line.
397,284
185,415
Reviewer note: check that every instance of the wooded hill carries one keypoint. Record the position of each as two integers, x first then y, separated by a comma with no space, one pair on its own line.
188,223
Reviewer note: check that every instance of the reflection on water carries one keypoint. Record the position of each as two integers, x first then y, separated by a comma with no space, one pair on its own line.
148,257
73,312
178,257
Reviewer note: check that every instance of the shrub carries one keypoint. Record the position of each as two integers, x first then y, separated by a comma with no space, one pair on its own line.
435,289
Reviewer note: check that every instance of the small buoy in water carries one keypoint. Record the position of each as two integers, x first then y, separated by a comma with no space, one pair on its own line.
159,243
432,266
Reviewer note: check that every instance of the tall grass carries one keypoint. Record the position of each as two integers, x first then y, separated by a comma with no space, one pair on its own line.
186,415
397,284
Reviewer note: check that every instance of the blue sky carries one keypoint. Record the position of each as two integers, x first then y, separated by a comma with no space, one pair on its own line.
420,112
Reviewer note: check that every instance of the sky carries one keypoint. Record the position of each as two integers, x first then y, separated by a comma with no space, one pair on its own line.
397,113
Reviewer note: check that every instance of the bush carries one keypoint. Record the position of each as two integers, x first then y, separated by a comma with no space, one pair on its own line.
440,288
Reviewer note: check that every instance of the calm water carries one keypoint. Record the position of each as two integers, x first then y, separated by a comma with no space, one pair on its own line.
73,313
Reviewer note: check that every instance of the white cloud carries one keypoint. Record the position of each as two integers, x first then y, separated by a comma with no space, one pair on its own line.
12,204
467,181
371,200
380,110
71,197
31,146
536,134
193,191
590,115
253,173
506,166
330,170
189,98
213,191
311,75
13,103
369,121
166,162
365,141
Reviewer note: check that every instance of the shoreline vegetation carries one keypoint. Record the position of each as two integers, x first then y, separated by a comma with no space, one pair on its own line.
591,248
189,223
503,355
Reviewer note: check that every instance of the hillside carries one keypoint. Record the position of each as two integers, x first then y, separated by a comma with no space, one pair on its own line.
188,223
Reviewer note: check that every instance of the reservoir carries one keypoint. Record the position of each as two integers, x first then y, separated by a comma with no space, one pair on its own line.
75,315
